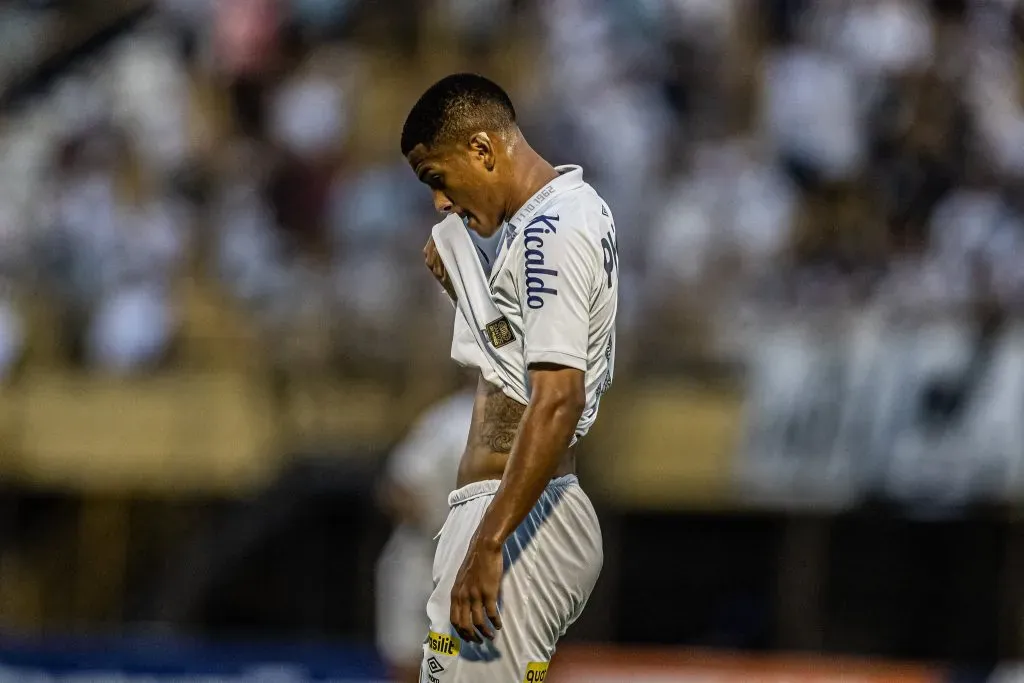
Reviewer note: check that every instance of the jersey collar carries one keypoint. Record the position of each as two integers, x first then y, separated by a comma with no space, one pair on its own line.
569,178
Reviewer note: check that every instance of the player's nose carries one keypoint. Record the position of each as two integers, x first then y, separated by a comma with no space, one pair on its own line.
442,203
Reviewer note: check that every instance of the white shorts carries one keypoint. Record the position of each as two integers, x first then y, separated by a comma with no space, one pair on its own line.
552,562
404,583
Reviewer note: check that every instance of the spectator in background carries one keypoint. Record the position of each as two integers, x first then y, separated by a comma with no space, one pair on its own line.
151,98
247,49
595,77
273,205
372,213
729,201
135,325
812,113
308,126
868,110
114,244
250,250
884,37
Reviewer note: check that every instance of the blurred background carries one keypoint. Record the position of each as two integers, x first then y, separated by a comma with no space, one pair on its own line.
215,326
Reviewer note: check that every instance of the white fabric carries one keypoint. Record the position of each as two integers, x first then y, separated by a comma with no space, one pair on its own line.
502,367
554,280
552,562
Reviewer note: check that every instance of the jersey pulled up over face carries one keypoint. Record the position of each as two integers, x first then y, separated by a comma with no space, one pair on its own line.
554,278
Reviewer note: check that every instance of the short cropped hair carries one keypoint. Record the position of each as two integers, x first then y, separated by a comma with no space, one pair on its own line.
457,105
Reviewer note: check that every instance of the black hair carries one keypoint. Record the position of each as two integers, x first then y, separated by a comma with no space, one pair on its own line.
456,105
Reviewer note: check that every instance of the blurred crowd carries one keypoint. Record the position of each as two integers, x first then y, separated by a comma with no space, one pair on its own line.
838,153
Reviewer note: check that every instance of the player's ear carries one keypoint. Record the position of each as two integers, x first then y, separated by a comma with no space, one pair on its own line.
482,148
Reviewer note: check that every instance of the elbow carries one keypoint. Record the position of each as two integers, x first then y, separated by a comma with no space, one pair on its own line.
559,395
576,404
566,407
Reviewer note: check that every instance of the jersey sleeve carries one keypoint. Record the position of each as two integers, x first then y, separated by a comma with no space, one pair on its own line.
556,282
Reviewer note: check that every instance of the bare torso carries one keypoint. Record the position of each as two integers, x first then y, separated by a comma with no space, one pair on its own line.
495,422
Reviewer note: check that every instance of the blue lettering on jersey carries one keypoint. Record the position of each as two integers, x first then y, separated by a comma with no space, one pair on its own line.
610,246
538,277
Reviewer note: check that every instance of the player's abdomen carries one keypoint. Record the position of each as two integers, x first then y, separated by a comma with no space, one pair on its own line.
496,419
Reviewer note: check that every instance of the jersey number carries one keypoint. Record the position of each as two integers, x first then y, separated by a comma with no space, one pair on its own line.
611,254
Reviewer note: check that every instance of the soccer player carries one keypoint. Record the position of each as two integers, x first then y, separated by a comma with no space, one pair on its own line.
414,491
521,549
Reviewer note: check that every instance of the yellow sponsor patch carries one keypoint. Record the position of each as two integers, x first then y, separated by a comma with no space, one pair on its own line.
536,672
443,644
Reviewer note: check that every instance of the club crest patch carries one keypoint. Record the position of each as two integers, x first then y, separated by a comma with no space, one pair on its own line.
499,333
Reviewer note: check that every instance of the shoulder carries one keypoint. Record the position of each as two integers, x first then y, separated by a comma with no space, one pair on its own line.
583,212
572,225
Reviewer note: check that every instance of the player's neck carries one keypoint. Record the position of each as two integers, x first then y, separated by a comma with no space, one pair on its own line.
531,172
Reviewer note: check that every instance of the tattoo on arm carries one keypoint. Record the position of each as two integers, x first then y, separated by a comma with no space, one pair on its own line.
500,421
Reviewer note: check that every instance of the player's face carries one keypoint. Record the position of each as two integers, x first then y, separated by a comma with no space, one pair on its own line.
464,180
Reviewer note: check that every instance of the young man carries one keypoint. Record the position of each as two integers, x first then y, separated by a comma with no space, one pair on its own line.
521,549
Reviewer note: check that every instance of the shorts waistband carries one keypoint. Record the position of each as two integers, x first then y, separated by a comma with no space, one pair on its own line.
488,487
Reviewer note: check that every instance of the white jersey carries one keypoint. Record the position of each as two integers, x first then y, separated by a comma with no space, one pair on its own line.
426,463
555,281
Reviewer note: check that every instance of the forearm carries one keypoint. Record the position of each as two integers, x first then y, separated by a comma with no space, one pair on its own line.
544,436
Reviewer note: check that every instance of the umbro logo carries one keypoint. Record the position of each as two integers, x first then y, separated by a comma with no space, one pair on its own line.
434,666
